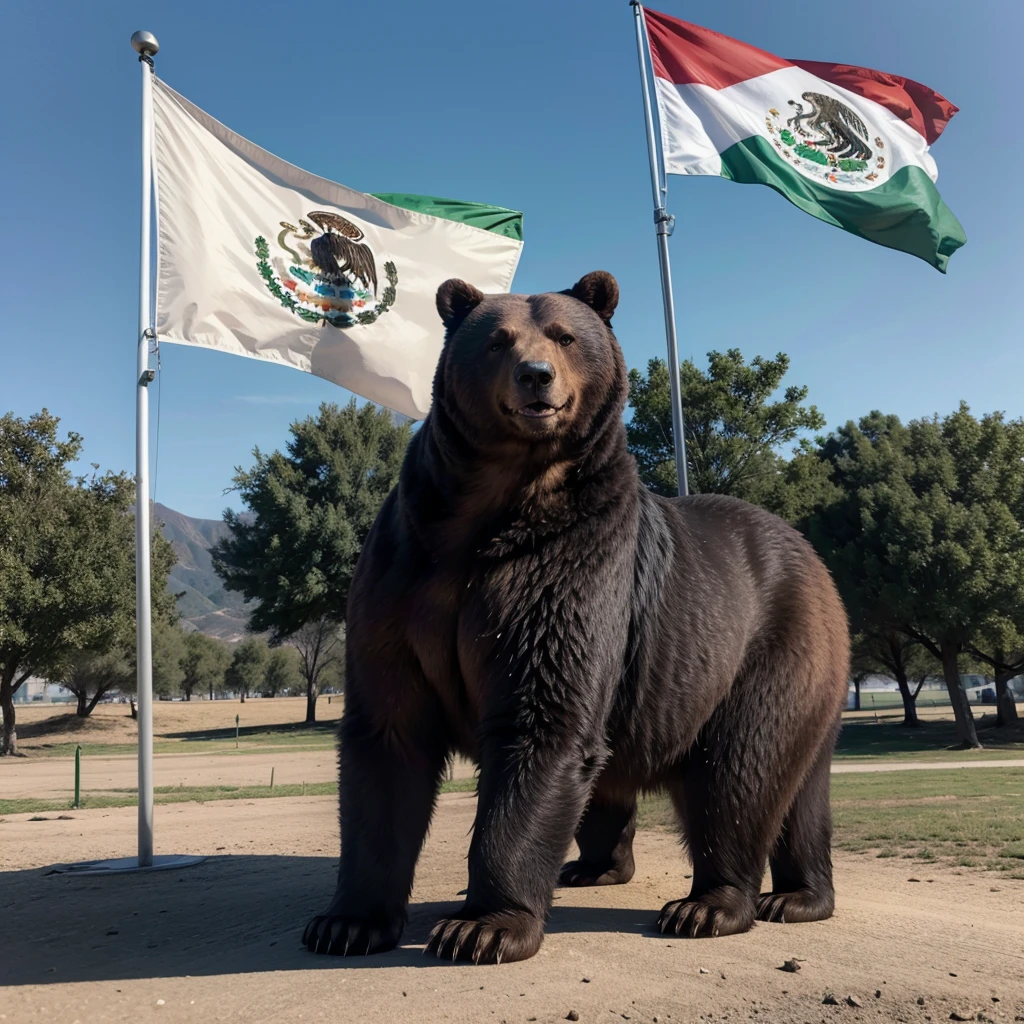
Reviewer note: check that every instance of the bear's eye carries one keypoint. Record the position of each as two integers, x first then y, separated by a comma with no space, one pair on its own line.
496,346
566,339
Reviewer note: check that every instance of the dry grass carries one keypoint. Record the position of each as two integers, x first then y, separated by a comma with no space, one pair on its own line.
178,726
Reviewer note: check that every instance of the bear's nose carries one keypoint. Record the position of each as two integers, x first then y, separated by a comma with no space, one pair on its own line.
535,375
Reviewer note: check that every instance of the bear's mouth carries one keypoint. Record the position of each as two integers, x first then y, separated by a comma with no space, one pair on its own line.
537,409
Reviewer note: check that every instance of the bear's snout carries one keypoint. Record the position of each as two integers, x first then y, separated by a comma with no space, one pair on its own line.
535,376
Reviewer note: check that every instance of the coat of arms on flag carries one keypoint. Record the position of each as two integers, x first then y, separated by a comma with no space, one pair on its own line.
333,278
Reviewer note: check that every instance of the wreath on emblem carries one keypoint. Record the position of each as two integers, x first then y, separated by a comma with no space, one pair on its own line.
826,139
332,279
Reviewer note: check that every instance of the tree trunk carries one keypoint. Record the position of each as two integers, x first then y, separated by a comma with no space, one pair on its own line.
81,711
242,699
910,719
310,703
856,693
962,712
9,738
1006,705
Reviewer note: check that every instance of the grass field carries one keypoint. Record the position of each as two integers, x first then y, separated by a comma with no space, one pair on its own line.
970,819
965,819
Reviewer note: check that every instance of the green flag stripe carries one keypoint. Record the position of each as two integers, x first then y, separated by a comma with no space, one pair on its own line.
490,218
905,213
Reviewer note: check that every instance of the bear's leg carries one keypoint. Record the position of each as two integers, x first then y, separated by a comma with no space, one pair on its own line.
801,860
731,792
605,838
530,798
388,784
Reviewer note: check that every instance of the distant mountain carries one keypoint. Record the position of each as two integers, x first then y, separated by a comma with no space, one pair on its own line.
205,605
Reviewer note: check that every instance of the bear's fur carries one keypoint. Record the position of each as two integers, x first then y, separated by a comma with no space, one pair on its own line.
522,599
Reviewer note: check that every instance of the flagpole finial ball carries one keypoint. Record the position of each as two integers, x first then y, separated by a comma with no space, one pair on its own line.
145,43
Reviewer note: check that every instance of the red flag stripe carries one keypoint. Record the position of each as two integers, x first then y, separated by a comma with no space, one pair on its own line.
688,54
922,108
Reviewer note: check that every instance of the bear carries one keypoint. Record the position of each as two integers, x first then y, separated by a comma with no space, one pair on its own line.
523,599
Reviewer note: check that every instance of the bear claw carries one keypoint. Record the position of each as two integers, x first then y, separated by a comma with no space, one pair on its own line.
344,936
491,939
705,917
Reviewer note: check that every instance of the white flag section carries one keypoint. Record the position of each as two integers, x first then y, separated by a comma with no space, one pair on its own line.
258,258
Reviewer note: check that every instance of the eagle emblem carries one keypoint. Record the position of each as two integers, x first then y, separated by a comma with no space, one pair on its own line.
827,140
325,272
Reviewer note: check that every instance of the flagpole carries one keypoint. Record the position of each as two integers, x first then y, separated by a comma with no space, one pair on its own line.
664,224
146,45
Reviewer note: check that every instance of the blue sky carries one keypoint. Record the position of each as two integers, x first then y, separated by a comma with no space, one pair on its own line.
531,104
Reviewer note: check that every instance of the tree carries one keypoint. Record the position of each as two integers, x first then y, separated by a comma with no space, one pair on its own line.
168,656
90,677
309,511
892,653
321,646
248,664
922,531
282,673
67,559
999,644
203,664
734,430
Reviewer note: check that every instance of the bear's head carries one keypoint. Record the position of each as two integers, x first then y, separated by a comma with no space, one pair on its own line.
530,369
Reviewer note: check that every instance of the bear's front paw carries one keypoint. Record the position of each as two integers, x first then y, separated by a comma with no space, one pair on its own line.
487,939
343,935
580,873
722,911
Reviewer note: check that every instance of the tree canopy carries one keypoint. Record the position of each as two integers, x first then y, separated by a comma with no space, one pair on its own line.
67,559
735,425
309,510
248,666
923,531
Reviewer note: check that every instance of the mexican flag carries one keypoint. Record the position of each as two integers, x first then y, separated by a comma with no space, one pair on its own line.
846,144
259,258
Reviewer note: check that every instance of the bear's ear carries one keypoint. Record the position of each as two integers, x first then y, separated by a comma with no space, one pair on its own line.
600,291
455,301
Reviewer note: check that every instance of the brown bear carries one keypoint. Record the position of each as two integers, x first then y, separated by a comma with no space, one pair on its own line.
522,599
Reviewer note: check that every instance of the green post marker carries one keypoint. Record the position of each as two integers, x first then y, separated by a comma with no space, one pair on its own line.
78,776
271,778
236,730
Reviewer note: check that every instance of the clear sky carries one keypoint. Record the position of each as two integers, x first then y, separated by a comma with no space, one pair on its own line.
530,104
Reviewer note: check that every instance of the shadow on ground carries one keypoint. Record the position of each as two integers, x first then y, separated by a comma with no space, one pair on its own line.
866,737
229,915
328,728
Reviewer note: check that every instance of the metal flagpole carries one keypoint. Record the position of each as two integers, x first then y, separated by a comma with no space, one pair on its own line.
663,225
146,45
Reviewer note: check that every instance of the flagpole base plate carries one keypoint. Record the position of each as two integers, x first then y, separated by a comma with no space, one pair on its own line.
125,865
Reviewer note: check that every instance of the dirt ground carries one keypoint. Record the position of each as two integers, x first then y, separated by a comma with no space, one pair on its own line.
220,942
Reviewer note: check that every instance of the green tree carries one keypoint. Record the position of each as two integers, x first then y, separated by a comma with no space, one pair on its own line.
321,648
282,672
735,426
892,653
203,664
67,560
309,509
90,677
248,664
923,531
168,656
